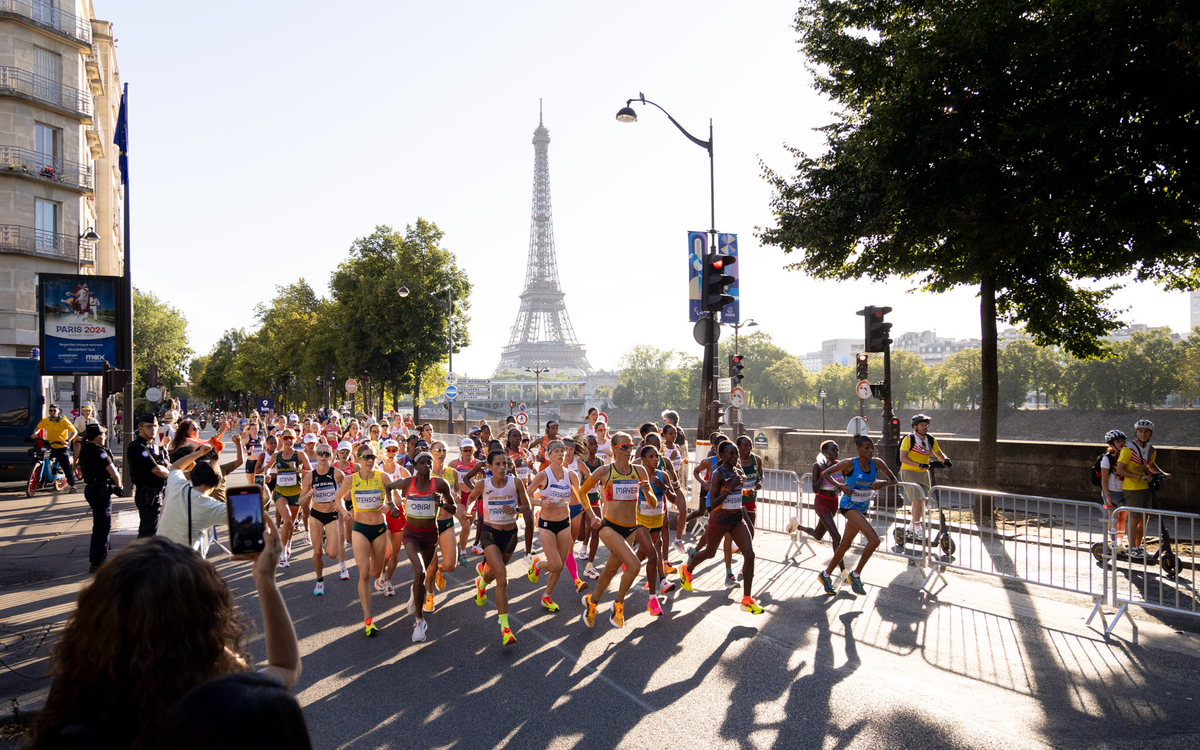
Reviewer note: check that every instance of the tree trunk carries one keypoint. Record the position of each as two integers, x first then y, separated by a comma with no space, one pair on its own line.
989,391
416,394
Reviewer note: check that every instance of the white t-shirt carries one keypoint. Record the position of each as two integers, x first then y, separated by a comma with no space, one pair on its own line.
206,511
1114,481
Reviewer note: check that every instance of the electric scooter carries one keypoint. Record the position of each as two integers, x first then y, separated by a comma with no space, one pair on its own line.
902,535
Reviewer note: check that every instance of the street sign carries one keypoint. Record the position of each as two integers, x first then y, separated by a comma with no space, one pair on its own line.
522,418
863,389
474,381
821,393
857,426
265,405
737,397
351,386
706,331
153,395
724,385
451,392
521,408
451,378
760,442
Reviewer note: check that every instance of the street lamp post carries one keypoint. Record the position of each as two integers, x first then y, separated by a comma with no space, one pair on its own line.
537,392
708,400
90,236
449,306
737,327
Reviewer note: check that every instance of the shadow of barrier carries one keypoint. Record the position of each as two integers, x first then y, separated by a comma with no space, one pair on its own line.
1163,578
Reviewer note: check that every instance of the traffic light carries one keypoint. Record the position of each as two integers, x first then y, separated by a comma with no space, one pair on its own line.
880,390
860,371
715,281
736,367
876,331
895,430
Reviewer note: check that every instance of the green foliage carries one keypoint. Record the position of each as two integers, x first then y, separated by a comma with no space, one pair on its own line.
786,383
838,382
653,378
159,338
963,373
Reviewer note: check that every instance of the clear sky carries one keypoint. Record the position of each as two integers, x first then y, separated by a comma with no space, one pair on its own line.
266,136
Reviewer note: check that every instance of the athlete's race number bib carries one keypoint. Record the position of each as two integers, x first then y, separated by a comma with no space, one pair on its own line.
732,501
372,500
286,479
645,509
493,511
863,496
523,473
420,507
625,490
324,494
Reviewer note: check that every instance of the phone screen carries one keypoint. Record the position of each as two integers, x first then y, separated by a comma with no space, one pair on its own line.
244,506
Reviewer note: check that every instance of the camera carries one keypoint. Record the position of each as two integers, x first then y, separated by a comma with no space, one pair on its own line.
244,507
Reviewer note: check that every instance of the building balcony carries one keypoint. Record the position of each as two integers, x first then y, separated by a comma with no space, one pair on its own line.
91,66
45,244
21,162
45,91
40,14
95,139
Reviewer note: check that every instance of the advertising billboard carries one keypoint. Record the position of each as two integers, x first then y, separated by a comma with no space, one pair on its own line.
80,320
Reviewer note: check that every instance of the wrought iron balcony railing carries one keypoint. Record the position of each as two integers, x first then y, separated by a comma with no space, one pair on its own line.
30,241
27,163
43,15
18,82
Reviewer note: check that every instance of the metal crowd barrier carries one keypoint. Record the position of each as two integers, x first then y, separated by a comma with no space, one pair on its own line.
1037,540
777,500
1164,579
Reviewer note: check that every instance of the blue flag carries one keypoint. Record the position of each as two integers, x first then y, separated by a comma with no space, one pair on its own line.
121,139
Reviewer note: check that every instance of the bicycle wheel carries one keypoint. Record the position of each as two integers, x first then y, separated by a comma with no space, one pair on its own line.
31,487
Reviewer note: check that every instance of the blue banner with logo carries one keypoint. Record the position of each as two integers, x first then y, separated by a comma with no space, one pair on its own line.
265,405
79,322
731,313
697,249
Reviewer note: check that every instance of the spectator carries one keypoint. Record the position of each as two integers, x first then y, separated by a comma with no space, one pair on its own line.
1110,483
1136,465
156,622
188,508
85,418
240,711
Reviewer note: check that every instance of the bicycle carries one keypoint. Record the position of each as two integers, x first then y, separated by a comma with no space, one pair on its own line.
44,475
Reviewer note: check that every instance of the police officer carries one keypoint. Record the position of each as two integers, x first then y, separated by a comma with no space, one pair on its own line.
149,468
99,478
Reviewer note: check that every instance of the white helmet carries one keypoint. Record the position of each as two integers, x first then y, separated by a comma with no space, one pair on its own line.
1143,423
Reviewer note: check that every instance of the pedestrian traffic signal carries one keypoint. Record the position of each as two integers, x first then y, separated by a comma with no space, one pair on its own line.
716,281
860,371
876,332
736,367
880,390
895,430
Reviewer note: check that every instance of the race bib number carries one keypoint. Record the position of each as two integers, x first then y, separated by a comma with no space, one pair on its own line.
523,473
494,511
372,500
420,507
324,494
863,496
286,479
645,509
625,490
732,502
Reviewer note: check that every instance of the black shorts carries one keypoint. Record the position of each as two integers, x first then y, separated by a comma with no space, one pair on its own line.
624,531
322,516
554,526
444,524
505,539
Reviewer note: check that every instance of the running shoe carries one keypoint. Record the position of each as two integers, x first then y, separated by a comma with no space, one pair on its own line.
664,586
387,589
428,603
856,584
283,561
581,554
440,581
535,572
580,585
617,618
678,545
589,611
730,581
319,589
419,628
826,581
548,604
371,629
751,606
507,638
344,575
668,570
481,568
462,559
685,575
654,608
591,572
480,591
307,539
379,583
477,549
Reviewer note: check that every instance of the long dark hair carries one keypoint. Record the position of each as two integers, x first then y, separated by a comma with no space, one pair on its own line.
246,711
181,434
155,622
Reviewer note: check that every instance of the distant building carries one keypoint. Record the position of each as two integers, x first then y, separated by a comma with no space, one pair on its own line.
811,361
1124,334
839,351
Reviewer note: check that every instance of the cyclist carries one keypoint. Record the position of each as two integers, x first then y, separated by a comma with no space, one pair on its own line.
59,433
1111,493
1135,463
915,451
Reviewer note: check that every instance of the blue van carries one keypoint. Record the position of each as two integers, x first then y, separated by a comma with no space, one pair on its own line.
22,397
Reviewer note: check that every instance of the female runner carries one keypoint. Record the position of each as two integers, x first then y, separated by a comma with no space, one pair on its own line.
502,498
289,465
557,486
727,516
677,455
319,488
462,466
603,443
670,492
426,495
861,479
650,518
589,536
365,490
392,469
825,500
623,482
435,577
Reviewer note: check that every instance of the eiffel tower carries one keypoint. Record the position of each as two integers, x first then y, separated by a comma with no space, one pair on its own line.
542,334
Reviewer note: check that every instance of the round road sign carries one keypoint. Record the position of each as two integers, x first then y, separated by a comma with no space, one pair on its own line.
351,386
821,393
522,418
737,397
154,395
863,389
451,378
857,426
521,408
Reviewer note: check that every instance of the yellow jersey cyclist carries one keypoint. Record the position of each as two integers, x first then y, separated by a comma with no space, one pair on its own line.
59,432
1137,467
916,450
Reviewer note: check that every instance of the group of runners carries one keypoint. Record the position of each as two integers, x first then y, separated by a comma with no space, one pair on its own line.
389,492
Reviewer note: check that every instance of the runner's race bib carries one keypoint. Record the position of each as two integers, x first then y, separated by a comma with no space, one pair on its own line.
286,479
645,509
494,511
370,500
420,507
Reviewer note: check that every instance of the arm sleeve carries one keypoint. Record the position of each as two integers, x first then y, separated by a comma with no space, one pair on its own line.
906,444
933,445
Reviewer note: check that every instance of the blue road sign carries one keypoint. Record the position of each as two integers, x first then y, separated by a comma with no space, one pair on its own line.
451,392
522,407
266,404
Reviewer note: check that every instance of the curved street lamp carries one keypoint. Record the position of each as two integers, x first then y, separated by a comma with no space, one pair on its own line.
404,291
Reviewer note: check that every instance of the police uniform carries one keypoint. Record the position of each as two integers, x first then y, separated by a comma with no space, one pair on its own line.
148,492
94,462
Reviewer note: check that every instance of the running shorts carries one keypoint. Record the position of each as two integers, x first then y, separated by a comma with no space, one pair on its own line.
422,537
322,516
720,524
505,539
554,526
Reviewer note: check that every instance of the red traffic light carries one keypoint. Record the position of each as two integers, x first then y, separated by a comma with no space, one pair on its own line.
718,264
862,357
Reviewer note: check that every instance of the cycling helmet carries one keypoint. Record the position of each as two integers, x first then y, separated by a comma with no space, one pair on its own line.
917,418
1143,423
1112,435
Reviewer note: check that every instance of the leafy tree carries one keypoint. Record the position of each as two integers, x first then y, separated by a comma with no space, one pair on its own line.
838,382
964,378
1046,379
649,378
1189,370
910,379
786,382
1016,361
159,338
1151,366
760,354
1017,147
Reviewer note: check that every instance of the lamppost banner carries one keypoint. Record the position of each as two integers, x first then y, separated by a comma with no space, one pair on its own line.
697,249
731,313
80,318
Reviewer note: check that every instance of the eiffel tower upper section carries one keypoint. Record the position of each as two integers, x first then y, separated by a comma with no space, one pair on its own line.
542,334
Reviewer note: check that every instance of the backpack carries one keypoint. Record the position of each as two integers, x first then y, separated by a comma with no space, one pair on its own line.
1096,468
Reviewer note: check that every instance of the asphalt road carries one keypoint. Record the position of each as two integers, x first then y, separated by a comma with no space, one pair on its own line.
978,665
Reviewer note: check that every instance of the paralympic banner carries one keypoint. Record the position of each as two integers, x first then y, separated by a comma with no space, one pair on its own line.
79,317
731,313
697,249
